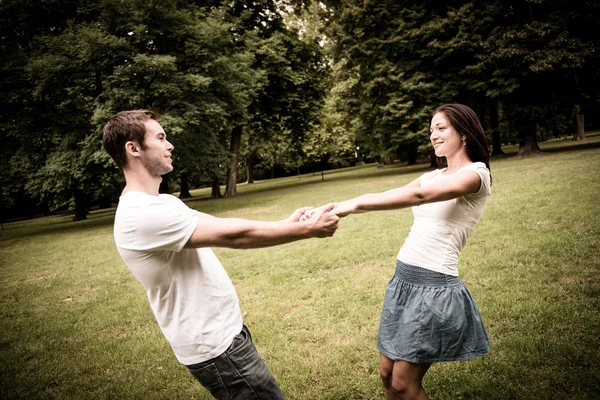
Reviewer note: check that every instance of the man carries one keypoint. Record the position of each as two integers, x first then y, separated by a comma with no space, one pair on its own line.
166,245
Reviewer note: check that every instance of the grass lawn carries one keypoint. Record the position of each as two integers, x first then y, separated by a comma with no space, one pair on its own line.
75,323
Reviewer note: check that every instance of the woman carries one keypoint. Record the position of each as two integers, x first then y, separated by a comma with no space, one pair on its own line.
428,313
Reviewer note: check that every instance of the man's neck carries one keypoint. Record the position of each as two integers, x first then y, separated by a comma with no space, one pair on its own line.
141,181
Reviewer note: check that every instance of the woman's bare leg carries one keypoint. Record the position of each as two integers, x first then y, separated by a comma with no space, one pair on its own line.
402,379
386,367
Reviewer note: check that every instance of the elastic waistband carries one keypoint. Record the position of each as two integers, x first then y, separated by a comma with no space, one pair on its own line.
424,277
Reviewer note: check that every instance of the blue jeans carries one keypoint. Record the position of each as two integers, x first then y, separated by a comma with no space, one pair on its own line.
238,373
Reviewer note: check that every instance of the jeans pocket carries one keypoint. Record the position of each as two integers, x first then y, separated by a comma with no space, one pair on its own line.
240,341
210,378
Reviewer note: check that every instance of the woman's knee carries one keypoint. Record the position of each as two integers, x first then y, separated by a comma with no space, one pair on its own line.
403,387
386,375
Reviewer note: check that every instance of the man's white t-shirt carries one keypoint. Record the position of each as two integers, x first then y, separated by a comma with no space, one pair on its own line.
191,295
440,230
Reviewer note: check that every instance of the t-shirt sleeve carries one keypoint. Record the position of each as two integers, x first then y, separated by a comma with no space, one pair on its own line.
164,224
484,174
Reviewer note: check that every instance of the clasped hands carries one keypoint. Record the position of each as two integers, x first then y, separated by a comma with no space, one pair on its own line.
325,218
340,209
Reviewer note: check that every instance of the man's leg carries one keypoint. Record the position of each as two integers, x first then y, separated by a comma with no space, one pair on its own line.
239,373
402,379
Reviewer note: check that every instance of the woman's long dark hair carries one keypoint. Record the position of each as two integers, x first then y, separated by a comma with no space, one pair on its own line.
464,120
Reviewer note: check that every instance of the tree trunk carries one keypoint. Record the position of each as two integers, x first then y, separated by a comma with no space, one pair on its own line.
579,126
42,207
323,162
528,146
215,189
104,202
184,192
231,187
385,158
494,126
412,158
434,160
250,168
521,120
80,206
164,185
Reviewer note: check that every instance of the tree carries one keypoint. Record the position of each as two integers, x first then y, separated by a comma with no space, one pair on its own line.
332,140
531,44
409,57
173,57
25,131
289,99
66,70
190,67
384,46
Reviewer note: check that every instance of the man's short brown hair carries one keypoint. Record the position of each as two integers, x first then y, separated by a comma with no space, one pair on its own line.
124,127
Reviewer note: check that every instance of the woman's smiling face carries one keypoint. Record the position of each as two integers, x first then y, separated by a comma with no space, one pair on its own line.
445,139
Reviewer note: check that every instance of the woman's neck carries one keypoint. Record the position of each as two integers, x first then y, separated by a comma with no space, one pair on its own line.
457,161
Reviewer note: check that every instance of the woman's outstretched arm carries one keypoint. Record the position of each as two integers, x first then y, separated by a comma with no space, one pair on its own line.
412,194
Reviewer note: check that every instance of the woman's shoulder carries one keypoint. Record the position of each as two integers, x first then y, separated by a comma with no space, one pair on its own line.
478,165
479,168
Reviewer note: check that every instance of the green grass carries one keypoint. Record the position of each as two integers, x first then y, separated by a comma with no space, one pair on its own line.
76,324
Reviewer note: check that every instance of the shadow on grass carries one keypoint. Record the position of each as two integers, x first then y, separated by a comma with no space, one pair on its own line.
552,147
573,147
57,224
342,175
389,170
338,175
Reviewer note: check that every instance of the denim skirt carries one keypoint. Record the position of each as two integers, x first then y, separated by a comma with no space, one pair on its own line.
429,317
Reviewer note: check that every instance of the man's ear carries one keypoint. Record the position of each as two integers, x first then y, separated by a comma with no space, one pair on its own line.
132,148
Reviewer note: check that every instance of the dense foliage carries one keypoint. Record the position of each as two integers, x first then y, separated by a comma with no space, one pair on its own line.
530,62
264,86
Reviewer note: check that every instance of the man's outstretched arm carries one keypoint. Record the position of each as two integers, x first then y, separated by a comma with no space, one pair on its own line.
245,234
